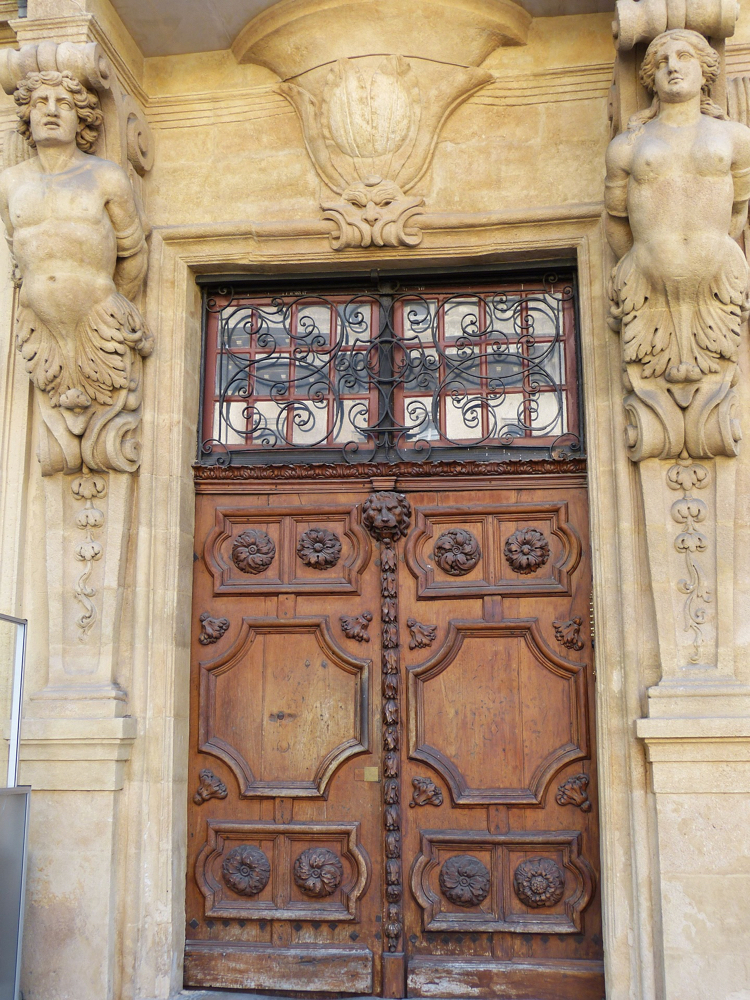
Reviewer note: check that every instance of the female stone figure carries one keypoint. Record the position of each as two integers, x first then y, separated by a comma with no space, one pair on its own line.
81,256
677,188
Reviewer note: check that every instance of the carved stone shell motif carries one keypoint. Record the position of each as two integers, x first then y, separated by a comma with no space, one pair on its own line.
526,550
246,870
457,552
253,551
319,548
464,880
539,882
318,872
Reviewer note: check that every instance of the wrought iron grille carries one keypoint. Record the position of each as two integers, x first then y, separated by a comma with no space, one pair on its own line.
368,375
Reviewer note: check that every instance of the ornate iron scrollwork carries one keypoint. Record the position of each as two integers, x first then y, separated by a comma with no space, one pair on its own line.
396,376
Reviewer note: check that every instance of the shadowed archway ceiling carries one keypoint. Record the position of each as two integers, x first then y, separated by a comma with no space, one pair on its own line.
172,27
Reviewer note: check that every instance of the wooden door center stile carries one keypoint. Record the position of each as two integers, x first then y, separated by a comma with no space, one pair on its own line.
387,516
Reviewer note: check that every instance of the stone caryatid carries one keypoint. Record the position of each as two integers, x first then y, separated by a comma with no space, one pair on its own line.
80,254
678,182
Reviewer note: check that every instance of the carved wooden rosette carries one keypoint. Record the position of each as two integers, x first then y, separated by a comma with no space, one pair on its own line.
387,517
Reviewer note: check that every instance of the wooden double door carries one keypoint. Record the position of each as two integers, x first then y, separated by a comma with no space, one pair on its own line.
392,767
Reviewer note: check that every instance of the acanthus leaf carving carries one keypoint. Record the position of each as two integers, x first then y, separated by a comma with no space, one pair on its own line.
88,488
82,337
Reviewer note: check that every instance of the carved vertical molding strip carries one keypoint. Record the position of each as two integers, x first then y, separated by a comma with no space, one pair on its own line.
387,517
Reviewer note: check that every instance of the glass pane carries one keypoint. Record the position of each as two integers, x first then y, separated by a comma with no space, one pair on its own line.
270,377
230,422
548,417
236,330
355,322
231,374
352,375
268,424
549,364
418,417
419,322
463,318
463,417
353,414
313,325
506,415
309,423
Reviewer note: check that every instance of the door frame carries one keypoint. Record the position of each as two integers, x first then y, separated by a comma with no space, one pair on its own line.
152,870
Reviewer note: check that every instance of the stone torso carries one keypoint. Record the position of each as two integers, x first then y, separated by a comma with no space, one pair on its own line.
63,238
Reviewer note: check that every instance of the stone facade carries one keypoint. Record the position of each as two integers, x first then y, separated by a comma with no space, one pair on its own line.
217,158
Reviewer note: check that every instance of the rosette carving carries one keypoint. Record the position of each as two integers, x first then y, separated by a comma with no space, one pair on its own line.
319,548
318,872
526,551
246,870
464,880
539,882
253,551
457,552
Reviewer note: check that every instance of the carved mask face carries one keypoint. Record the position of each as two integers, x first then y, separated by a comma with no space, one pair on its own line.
679,75
54,117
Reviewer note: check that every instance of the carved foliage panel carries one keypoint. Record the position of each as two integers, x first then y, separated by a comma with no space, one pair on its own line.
500,679
505,549
318,549
527,882
263,699
282,871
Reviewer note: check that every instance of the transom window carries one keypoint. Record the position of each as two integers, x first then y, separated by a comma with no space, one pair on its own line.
408,374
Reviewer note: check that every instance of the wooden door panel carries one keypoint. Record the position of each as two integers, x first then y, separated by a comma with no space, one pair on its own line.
284,706
497,713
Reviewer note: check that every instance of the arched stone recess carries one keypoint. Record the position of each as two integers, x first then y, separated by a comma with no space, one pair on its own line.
489,686
275,663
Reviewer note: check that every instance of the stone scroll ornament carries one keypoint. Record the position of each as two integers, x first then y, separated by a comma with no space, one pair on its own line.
677,188
78,244
387,517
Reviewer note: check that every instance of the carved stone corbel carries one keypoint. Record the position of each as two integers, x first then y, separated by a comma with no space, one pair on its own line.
679,301
372,85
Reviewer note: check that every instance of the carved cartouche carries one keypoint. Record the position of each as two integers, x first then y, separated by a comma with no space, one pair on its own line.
678,181
81,257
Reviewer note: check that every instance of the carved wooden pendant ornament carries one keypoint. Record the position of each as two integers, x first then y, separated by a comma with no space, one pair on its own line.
387,517
421,635
426,792
568,633
210,787
573,792
356,627
319,548
212,629
253,551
